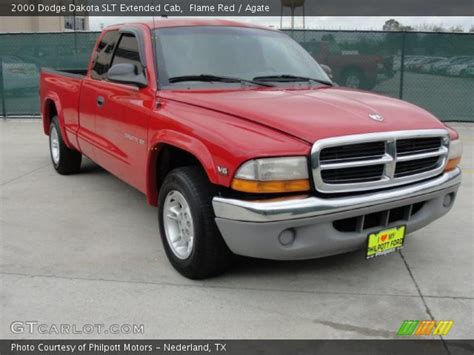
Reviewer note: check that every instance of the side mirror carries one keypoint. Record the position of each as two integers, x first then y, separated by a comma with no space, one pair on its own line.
127,73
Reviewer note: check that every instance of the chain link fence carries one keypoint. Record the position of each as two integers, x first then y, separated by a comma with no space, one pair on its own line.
432,70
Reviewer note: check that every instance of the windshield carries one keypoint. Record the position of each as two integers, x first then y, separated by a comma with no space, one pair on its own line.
236,52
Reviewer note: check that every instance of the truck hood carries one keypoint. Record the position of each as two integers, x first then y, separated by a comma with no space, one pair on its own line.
312,114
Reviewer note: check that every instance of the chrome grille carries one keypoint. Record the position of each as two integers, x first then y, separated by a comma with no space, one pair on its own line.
378,160
356,174
417,145
411,167
348,152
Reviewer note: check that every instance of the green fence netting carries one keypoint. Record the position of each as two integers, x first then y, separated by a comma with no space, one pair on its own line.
23,55
433,70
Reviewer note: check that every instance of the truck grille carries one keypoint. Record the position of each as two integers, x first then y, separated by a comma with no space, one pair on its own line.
378,160
417,145
357,174
411,167
359,151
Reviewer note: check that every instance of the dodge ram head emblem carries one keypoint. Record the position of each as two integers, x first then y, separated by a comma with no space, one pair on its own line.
376,117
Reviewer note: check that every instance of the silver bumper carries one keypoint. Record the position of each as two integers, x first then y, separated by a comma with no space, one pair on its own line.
263,229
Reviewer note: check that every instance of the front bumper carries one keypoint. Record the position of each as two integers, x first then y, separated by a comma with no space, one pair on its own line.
304,228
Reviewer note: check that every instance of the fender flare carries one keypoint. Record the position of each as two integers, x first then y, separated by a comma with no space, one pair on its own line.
189,144
54,98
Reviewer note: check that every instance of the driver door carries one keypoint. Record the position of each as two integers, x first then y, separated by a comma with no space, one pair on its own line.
121,120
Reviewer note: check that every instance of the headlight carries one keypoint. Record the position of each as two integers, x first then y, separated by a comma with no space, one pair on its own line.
272,175
454,155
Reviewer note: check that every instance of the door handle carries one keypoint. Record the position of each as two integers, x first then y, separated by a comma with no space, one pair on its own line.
100,101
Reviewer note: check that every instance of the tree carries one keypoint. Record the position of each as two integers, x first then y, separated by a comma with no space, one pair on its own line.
394,25
456,29
438,28
391,25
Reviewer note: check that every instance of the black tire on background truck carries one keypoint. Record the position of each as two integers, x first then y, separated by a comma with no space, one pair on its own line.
354,78
65,161
190,236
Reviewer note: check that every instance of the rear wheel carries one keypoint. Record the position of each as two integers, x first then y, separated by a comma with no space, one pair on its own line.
65,161
353,78
188,231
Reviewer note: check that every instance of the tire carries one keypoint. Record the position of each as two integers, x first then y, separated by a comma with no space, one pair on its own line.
65,161
354,78
207,255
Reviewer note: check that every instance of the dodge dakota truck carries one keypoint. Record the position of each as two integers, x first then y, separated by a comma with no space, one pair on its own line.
245,145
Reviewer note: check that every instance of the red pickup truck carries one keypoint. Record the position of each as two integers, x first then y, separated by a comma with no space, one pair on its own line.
351,68
245,145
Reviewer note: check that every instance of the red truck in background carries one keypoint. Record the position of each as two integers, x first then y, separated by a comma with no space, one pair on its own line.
242,141
350,68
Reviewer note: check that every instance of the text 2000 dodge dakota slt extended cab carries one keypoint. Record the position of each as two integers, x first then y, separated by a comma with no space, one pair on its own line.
246,146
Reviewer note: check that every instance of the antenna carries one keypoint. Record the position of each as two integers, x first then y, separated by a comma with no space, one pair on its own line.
153,32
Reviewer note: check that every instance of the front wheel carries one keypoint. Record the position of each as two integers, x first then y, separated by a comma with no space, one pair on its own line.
188,231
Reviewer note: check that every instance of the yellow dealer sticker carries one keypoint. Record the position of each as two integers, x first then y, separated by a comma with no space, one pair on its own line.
385,241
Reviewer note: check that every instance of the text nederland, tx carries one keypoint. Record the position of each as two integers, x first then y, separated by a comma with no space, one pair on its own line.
104,348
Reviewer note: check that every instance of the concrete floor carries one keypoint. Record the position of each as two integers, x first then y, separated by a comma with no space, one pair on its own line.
84,249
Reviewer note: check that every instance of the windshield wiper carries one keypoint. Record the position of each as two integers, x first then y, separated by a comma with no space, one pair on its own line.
290,78
209,78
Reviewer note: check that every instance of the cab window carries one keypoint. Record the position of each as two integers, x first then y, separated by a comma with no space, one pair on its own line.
128,52
103,55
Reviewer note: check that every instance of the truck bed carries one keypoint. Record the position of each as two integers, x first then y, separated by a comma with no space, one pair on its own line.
63,87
